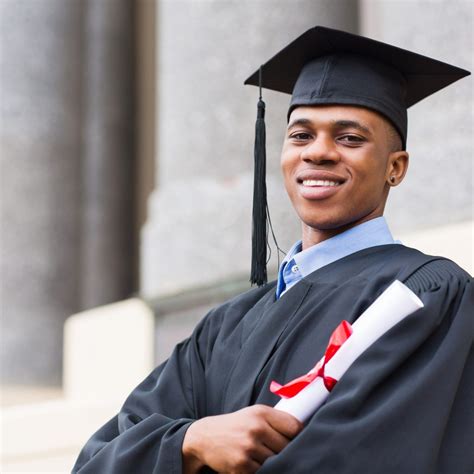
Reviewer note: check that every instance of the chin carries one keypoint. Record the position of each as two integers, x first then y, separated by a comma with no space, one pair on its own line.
325,221
328,222
328,225
333,218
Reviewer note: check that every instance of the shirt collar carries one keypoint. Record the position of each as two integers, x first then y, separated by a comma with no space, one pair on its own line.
368,234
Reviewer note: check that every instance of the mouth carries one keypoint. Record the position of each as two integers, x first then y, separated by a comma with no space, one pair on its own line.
317,185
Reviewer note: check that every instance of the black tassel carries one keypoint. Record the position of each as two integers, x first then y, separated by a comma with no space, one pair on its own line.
258,274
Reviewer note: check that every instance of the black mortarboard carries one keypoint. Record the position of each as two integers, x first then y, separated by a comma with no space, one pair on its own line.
327,66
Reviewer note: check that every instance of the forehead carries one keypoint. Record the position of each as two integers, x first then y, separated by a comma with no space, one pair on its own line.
319,115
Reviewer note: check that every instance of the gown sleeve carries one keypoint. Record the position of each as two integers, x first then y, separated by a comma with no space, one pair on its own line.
405,406
147,434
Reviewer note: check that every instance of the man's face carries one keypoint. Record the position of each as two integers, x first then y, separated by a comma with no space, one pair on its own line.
334,163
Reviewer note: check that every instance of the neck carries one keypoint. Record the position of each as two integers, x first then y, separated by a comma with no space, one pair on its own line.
312,236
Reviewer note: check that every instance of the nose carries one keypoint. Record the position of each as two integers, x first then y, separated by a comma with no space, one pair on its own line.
321,150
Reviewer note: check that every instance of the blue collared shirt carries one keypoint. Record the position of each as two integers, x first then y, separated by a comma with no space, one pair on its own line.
300,263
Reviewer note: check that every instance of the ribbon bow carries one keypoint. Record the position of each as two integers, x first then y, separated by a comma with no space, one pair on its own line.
337,339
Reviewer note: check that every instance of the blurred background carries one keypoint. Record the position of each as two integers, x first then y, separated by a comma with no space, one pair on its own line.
126,180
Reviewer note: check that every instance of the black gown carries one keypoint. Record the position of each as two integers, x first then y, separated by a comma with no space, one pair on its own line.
405,406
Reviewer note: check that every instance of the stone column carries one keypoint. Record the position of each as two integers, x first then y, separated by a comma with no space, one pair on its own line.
67,191
40,77
107,260
199,225
438,187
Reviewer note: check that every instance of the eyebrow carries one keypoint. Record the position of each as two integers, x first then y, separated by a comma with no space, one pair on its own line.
335,123
299,121
352,124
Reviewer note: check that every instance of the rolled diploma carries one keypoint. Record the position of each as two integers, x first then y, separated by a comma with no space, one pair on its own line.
394,304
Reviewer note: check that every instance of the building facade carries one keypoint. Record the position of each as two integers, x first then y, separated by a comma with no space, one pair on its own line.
127,151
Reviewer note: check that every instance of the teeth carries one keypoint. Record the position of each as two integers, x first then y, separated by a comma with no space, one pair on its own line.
319,182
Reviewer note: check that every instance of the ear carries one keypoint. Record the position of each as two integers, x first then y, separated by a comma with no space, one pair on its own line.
397,166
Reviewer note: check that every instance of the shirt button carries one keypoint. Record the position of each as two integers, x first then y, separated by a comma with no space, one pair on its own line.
294,269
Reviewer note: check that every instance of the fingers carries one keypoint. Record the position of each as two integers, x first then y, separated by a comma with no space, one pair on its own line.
260,453
251,467
247,466
284,423
274,440
238,442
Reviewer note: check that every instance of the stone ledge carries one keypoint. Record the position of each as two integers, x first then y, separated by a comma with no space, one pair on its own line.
108,351
25,394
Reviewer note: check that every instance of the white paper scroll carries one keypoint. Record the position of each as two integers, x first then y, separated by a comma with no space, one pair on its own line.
394,304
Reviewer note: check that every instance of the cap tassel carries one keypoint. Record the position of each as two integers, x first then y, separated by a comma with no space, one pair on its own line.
258,274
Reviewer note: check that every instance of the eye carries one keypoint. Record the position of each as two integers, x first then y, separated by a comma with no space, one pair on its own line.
351,140
300,136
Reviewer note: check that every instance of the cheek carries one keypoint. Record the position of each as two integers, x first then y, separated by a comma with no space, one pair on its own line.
287,164
371,173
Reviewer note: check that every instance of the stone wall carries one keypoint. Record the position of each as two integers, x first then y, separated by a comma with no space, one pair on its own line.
66,78
438,189
199,223
68,170
198,229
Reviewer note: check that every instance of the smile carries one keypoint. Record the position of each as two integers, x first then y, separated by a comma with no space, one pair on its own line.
319,182
316,185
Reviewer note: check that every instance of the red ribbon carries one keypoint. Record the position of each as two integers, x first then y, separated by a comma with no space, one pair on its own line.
337,339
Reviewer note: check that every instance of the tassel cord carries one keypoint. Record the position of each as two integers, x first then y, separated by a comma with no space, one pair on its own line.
258,273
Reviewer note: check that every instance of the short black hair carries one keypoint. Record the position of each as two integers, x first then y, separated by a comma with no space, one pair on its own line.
394,138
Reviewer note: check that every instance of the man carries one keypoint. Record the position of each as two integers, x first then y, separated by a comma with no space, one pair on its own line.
405,405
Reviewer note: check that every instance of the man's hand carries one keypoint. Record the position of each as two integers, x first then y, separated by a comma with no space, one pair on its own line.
239,442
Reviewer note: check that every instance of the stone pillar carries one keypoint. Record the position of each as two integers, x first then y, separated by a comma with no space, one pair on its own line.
107,260
438,188
199,224
40,77
66,75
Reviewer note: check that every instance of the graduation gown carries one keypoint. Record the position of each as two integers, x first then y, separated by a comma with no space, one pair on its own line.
404,406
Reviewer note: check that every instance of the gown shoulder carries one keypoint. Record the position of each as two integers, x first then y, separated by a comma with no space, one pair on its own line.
435,273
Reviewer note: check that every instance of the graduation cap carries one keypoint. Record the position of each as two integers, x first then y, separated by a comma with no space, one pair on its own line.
327,66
